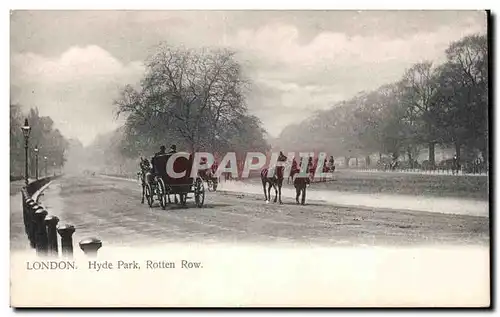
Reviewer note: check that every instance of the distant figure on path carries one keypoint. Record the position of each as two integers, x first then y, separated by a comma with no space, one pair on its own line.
300,184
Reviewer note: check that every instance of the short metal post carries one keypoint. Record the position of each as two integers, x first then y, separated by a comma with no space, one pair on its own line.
26,215
66,233
41,232
90,246
51,224
32,208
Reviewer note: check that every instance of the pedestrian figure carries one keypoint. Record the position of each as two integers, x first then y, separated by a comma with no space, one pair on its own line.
300,184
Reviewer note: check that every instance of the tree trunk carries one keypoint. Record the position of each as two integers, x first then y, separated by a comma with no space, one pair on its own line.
457,151
432,155
410,159
486,159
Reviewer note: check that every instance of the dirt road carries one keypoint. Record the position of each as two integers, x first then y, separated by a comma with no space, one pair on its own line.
110,209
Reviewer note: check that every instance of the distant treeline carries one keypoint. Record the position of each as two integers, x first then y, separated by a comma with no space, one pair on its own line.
430,105
50,142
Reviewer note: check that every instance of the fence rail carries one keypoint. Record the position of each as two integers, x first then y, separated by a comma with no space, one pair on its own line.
42,228
437,170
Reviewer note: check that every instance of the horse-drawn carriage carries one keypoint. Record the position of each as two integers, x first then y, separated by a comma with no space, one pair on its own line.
159,185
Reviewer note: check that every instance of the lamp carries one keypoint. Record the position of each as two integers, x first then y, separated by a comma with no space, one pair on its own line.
26,129
36,161
45,159
26,133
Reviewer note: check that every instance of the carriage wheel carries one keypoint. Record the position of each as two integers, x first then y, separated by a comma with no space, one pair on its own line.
183,199
162,194
149,195
199,193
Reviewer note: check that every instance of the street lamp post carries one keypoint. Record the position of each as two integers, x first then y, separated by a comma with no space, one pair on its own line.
45,159
36,161
26,133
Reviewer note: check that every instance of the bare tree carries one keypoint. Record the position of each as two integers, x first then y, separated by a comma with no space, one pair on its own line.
419,87
191,96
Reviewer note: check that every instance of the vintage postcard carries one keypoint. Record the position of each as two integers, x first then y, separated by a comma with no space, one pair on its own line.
249,159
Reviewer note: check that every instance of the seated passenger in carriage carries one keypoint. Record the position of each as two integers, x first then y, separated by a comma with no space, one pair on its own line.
172,150
153,159
158,162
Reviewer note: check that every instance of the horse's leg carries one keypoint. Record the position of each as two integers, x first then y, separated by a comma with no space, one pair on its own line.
264,187
275,185
303,201
297,193
280,184
269,185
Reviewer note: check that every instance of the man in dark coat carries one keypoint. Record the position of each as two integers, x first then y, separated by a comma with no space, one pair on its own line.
300,184
154,160
172,150
280,169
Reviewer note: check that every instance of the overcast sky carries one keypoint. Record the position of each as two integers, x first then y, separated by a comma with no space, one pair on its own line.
71,64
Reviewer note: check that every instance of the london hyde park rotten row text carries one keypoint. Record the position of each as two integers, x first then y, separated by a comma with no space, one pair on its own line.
100,266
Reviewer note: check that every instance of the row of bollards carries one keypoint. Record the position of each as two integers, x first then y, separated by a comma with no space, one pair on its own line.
42,230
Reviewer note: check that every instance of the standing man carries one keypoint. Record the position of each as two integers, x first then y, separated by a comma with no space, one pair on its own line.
300,183
331,164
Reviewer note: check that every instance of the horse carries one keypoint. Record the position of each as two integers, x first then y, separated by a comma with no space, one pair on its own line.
144,174
208,176
275,181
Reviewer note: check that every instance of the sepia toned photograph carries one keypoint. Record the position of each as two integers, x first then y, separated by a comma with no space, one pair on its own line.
314,158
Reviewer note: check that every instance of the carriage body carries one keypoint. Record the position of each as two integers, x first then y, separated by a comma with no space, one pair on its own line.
180,186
